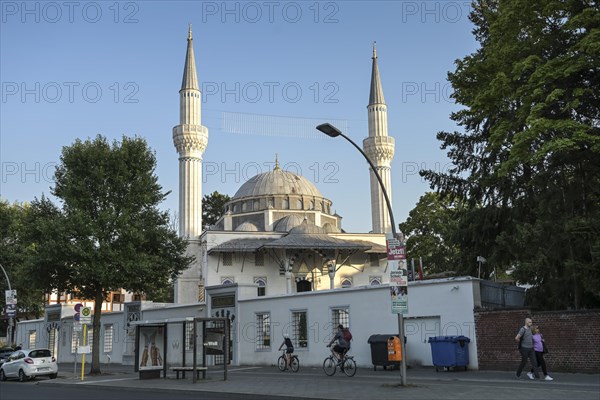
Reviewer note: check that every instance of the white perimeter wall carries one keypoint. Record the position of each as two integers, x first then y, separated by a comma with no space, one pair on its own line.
437,307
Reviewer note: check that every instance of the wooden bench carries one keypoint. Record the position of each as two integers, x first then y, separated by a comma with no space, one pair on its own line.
183,370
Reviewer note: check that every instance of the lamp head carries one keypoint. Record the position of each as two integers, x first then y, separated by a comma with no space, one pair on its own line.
329,130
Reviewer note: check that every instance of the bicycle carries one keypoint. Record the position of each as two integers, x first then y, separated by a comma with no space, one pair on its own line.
346,364
294,362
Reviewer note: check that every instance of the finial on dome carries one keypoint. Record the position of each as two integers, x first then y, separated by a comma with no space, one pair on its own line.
190,32
276,162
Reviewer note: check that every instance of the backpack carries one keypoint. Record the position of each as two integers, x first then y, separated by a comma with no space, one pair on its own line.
347,335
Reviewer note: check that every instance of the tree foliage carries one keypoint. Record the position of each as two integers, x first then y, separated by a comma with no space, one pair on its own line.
30,300
430,228
528,161
109,233
213,206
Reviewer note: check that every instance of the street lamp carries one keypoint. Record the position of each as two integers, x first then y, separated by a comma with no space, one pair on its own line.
332,131
10,320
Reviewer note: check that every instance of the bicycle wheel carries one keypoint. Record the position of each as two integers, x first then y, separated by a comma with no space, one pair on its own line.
281,363
329,366
295,364
349,367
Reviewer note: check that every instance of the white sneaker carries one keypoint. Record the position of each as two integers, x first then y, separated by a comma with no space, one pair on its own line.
548,378
530,375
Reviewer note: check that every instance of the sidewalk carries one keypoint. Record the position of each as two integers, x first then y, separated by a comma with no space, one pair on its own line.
312,383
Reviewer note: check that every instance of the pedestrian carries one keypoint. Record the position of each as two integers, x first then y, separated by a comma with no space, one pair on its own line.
539,346
525,340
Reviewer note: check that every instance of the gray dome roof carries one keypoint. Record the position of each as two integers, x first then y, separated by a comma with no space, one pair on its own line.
247,227
288,222
307,227
276,182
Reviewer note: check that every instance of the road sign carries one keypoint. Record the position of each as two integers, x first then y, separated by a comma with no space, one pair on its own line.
77,307
85,315
11,296
76,316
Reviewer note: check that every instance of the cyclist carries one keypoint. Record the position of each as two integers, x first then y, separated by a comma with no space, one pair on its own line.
342,345
289,349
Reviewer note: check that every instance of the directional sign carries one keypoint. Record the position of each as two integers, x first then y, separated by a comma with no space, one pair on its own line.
85,315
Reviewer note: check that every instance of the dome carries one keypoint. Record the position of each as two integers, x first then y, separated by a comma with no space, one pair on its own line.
307,227
247,227
286,224
330,228
276,182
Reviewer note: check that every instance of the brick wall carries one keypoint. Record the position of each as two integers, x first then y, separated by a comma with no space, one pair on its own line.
572,337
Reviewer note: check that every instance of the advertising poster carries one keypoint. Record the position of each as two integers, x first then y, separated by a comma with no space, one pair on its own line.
399,291
151,346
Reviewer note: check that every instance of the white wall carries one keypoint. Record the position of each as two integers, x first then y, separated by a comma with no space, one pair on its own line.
121,333
436,308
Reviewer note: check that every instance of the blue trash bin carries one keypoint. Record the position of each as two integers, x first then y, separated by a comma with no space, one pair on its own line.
449,351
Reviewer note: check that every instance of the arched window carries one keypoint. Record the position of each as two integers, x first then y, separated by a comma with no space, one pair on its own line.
262,285
311,205
244,206
375,280
346,283
227,281
299,204
256,205
286,204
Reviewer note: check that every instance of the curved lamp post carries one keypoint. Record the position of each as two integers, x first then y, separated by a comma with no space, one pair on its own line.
332,131
10,319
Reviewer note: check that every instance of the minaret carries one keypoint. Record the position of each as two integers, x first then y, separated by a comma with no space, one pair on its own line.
380,149
190,139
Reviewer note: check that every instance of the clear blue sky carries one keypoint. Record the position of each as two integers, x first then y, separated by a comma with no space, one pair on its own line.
77,69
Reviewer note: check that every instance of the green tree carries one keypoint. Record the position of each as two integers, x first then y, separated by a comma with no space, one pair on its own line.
213,206
431,227
109,233
12,258
527,163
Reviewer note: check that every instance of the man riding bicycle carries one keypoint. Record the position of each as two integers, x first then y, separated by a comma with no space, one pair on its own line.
287,342
342,345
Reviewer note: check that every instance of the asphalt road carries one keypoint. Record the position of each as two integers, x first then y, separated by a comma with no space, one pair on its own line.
14,390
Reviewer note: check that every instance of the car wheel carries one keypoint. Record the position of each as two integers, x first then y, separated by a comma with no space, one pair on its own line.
22,376
2,376
53,376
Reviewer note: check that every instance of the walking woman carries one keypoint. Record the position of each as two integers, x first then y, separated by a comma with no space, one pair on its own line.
538,347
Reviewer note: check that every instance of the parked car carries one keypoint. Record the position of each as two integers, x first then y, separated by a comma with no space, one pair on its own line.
27,364
4,353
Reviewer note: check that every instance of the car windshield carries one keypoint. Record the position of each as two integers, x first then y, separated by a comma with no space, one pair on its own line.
40,353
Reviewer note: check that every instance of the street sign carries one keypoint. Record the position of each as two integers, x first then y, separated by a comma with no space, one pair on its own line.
11,310
76,316
85,315
11,296
84,350
77,307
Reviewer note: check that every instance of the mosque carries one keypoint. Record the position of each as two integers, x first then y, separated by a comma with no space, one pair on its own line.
278,231
277,261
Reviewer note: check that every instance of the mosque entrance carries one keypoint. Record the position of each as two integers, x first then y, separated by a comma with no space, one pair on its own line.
303,285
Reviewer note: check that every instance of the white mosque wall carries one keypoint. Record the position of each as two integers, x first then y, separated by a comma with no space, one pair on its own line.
437,307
